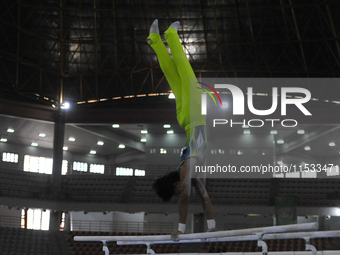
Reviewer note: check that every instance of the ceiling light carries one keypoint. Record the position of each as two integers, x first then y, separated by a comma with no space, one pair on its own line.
143,140
115,125
121,146
100,143
92,101
332,144
166,126
280,162
34,144
65,148
144,131
245,126
3,140
65,105
171,96
273,132
72,139
169,132
93,152
301,131
280,141
247,132
10,130
307,148
42,135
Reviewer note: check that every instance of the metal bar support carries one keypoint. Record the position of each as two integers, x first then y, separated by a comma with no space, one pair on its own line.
149,250
310,247
105,248
261,243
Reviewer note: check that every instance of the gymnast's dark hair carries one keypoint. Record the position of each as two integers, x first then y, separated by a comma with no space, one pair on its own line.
164,186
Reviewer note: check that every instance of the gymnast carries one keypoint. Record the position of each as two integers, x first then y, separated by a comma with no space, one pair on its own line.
182,81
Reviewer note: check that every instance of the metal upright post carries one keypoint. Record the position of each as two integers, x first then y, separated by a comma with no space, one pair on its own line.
310,247
105,248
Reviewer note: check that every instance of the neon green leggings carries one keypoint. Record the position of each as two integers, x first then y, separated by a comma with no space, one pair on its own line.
178,72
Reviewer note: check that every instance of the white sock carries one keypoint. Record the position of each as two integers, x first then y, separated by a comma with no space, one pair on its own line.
154,27
175,25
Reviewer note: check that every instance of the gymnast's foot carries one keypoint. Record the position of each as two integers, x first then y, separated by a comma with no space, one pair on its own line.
154,29
175,25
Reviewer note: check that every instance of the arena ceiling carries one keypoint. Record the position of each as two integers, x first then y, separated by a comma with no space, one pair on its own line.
94,55
88,51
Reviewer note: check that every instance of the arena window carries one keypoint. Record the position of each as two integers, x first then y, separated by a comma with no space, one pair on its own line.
62,223
308,174
10,157
64,167
80,166
123,171
139,172
41,165
96,168
37,219
293,175
37,164
333,171
278,175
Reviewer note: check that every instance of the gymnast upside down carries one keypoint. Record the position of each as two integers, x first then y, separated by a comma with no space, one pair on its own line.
181,79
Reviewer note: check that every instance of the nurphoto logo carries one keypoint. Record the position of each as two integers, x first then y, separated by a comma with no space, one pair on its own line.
238,104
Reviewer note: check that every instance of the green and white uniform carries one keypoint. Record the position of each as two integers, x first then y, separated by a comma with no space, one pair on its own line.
182,81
